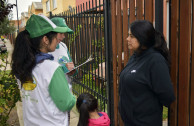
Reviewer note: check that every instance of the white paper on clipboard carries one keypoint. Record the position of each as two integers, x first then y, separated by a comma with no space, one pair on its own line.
88,60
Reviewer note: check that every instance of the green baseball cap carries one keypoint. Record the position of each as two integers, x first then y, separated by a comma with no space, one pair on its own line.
39,25
60,22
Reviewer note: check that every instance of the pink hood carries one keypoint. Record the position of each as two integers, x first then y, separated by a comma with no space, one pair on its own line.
101,121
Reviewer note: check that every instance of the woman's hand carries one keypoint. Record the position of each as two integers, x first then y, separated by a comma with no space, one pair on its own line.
70,66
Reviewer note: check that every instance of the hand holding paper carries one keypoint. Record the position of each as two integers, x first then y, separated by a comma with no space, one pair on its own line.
70,65
88,60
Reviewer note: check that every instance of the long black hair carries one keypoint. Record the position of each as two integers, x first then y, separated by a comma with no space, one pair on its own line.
85,103
23,57
148,37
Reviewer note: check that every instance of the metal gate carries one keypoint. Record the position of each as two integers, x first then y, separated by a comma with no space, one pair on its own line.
87,21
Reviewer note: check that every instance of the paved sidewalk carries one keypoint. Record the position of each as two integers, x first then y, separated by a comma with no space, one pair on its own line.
74,116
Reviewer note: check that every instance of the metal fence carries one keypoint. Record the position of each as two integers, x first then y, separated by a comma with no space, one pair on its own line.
87,21
11,37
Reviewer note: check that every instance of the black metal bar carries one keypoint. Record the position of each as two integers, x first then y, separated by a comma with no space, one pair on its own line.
101,56
71,36
84,41
79,46
159,15
144,10
109,65
50,15
74,36
169,108
82,45
93,47
128,13
87,42
17,15
105,57
76,32
96,45
91,41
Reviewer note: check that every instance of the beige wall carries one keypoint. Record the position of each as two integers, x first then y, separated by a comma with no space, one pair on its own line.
29,11
23,21
62,5
44,6
38,11
35,11
32,9
66,4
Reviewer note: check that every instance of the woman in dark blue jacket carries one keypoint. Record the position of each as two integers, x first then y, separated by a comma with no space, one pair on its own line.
145,84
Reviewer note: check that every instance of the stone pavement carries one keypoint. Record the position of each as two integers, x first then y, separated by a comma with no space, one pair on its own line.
74,116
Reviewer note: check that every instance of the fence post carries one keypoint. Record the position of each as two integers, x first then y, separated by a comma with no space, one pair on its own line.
174,49
109,66
159,15
50,15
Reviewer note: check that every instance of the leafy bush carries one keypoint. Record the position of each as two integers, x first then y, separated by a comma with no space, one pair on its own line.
165,113
9,92
5,8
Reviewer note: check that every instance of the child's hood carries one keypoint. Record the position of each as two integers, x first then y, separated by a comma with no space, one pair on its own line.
101,121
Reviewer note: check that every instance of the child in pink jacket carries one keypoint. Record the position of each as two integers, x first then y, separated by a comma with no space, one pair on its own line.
87,106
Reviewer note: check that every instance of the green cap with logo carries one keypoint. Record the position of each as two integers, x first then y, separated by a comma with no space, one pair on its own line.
39,25
60,22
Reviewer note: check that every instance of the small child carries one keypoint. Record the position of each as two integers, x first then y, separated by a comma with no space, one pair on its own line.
87,106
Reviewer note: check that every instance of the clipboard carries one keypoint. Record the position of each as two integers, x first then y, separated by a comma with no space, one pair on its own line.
87,61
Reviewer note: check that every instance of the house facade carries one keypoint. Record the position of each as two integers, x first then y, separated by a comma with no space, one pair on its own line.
24,18
35,8
57,6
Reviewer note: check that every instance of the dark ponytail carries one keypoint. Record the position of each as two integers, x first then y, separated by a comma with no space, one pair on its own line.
23,57
161,46
85,103
84,115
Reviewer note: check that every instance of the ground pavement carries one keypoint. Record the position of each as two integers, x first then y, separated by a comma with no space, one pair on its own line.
74,116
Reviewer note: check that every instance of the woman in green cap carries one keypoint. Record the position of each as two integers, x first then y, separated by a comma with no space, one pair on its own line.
62,55
46,96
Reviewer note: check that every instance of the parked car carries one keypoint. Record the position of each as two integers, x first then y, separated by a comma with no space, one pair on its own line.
3,47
